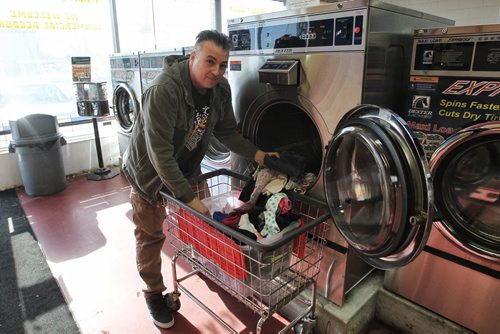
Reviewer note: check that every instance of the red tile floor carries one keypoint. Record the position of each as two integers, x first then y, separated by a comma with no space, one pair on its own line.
86,234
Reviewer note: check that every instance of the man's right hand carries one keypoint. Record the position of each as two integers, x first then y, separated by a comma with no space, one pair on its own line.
198,205
260,156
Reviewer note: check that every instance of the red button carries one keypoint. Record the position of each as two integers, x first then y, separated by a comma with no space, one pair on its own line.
357,30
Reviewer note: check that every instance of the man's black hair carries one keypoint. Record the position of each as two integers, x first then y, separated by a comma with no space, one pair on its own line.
215,36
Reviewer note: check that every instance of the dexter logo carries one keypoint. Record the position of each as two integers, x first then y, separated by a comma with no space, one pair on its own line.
421,102
474,88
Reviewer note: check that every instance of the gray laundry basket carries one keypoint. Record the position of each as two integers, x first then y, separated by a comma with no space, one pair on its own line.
37,142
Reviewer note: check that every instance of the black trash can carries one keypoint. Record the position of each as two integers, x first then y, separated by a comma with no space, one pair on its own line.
37,143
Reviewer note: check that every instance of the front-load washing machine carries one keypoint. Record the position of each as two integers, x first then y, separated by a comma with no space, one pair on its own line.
152,63
295,75
126,83
454,108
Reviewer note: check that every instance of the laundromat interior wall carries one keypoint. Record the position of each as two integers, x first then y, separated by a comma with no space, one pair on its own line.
463,12
80,155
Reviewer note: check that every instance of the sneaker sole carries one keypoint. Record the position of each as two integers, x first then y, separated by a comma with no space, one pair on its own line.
164,325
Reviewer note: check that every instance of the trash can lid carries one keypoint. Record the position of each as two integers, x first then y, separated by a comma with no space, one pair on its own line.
35,127
36,140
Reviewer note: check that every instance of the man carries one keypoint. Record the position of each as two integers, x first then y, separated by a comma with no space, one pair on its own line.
181,108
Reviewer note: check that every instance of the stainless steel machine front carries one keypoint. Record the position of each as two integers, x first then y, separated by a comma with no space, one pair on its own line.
454,110
296,74
126,84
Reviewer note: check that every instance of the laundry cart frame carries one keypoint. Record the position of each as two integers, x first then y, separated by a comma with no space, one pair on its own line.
264,275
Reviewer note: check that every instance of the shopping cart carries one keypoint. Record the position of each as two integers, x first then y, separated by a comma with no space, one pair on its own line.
264,275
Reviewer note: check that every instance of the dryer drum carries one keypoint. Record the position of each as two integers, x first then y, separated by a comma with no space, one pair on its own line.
286,127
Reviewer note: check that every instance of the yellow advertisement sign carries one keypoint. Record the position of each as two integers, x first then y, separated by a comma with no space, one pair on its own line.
55,15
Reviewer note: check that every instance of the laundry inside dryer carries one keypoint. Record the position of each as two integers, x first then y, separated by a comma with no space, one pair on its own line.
285,127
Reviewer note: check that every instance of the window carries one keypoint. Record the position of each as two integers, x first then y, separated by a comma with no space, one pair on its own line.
147,25
135,25
177,22
40,37
38,40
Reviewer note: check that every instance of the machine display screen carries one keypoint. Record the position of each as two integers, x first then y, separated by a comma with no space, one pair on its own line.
293,35
241,39
444,56
152,62
487,56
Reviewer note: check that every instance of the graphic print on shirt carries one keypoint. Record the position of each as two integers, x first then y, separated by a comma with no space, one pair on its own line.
200,124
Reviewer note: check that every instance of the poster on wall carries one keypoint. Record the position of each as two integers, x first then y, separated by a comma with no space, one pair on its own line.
81,69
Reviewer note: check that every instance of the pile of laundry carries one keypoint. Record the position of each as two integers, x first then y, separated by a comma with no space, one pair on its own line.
264,211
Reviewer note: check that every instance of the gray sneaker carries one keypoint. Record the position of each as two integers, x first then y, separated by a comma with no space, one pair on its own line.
162,316
172,301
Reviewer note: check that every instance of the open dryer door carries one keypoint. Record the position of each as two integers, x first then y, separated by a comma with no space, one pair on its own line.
378,188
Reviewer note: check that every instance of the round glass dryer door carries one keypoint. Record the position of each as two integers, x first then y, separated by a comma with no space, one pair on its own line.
466,176
126,106
377,186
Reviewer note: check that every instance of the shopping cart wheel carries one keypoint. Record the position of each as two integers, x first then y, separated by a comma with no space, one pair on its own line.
172,300
305,327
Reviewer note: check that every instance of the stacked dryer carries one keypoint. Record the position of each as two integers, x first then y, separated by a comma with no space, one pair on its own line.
454,109
296,76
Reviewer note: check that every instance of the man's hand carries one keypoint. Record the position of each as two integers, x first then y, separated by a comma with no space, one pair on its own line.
260,155
198,205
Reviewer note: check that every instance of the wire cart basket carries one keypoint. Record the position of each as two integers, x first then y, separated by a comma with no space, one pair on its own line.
264,276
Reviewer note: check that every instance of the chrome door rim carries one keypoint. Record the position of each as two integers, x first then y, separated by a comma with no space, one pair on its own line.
125,98
418,221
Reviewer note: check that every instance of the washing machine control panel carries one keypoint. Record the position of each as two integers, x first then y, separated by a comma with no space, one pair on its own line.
453,82
335,31
152,64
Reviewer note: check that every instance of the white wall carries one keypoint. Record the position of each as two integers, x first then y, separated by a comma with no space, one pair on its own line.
78,157
464,12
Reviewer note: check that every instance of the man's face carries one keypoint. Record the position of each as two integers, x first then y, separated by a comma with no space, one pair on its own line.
207,65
